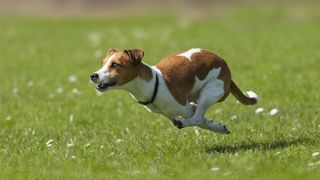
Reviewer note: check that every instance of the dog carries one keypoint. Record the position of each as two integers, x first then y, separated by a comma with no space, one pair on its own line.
181,86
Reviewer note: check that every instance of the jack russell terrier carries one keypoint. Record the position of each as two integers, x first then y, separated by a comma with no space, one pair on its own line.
182,86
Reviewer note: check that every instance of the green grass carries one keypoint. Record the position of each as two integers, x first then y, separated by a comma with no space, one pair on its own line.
273,51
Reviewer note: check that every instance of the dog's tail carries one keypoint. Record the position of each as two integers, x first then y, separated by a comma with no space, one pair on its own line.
236,92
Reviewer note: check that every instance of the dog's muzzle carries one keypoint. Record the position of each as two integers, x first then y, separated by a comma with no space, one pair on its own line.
104,86
101,86
94,77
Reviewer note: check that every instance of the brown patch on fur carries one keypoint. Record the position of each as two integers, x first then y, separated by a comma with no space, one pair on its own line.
178,75
109,54
144,72
127,70
135,55
225,76
180,72
204,61
112,50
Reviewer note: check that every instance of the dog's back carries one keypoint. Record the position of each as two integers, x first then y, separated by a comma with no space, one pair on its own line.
187,72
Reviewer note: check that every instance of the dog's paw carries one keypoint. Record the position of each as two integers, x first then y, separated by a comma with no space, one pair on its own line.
226,131
177,121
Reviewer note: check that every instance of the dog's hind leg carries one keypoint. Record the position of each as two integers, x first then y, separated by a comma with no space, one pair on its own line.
210,94
204,124
213,126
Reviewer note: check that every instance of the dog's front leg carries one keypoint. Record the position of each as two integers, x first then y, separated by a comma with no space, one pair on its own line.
178,122
190,110
213,126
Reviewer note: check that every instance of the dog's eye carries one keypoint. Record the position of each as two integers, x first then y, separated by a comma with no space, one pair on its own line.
115,65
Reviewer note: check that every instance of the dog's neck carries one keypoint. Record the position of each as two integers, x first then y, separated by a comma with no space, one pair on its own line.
142,89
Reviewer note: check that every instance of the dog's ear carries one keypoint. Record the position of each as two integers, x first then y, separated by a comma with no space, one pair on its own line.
112,50
135,55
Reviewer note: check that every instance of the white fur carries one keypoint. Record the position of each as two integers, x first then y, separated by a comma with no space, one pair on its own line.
212,75
205,92
252,94
189,53
164,102
103,71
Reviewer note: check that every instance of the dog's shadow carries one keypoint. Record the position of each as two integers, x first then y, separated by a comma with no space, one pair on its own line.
259,146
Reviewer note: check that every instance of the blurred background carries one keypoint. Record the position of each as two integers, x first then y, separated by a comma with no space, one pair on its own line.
54,124
125,7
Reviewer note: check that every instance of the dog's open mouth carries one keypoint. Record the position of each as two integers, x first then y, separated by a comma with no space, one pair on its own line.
105,86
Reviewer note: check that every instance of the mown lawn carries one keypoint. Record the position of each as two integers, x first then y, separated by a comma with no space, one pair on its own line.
53,125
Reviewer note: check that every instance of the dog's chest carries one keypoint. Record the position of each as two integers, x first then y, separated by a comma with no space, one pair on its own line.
163,105
166,104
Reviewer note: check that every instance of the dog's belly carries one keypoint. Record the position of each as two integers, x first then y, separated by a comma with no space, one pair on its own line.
170,108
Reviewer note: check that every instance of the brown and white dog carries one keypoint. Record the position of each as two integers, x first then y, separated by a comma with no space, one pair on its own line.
182,86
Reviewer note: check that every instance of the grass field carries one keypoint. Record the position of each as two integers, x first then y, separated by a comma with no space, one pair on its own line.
54,128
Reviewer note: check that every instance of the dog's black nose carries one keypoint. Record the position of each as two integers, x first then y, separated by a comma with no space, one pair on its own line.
94,77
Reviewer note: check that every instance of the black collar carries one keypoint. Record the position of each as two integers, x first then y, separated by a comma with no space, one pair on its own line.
154,95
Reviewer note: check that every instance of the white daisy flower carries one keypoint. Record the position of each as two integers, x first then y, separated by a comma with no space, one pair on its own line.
49,143
315,154
30,83
9,117
233,117
15,91
72,78
70,144
214,169
75,91
71,117
118,140
259,110
59,90
94,38
87,145
274,111
196,131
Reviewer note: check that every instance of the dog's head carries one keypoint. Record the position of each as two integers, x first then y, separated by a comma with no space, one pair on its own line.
118,68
